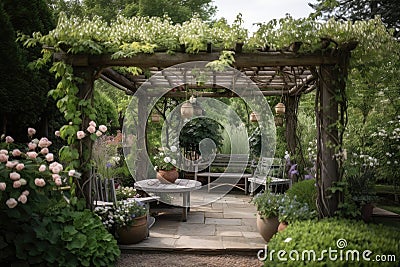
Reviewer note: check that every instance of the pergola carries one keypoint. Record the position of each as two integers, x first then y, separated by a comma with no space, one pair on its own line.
276,73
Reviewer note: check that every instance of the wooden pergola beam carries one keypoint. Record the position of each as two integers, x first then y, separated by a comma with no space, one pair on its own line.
164,60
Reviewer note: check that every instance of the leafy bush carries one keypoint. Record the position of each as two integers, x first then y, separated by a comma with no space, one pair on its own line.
292,210
305,192
268,204
63,237
334,234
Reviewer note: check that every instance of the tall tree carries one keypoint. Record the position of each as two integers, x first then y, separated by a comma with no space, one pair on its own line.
360,10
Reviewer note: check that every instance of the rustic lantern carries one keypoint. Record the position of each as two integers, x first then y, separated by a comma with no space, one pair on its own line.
280,108
254,117
187,110
155,117
278,121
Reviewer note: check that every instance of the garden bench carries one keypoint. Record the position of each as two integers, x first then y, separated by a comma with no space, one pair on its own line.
226,167
269,172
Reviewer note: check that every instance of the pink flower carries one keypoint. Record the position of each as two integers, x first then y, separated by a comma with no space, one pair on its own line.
9,139
11,203
3,186
31,154
57,133
44,142
55,164
56,169
11,164
99,133
80,134
42,168
40,182
103,128
71,173
44,151
31,131
58,181
50,157
3,158
92,123
55,176
22,181
23,199
4,151
16,153
15,176
32,146
17,184
91,129
26,193
20,166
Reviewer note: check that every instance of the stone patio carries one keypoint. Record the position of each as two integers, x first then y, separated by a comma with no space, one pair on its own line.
226,225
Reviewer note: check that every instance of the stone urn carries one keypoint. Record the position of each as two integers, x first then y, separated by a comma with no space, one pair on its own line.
167,177
267,227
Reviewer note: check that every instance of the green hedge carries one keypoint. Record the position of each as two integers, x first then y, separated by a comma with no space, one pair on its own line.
324,235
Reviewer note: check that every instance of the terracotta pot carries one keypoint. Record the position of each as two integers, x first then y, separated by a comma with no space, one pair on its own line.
135,233
280,108
167,177
186,110
267,227
254,117
282,226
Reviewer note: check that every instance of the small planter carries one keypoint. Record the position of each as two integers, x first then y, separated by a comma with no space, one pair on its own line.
280,108
155,117
187,110
282,226
267,227
167,177
135,233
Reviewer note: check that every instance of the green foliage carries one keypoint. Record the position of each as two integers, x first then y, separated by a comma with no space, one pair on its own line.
106,112
292,210
63,237
305,192
268,204
324,234
198,129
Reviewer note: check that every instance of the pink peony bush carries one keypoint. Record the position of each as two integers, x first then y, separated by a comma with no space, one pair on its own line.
29,174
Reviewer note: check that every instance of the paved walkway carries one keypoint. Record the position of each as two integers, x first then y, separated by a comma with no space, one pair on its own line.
226,225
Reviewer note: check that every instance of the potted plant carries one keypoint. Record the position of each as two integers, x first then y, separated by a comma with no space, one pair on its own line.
125,192
165,163
292,210
267,205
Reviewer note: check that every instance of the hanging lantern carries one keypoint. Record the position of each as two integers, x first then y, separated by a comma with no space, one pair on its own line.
186,110
155,117
280,108
278,121
254,117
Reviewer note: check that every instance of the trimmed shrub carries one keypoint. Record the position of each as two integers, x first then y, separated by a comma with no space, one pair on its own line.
339,237
305,192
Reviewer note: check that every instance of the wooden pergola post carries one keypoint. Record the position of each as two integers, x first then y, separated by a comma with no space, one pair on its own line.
142,160
86,92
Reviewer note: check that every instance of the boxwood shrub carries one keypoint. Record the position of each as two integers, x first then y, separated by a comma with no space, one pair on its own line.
305,192
339,236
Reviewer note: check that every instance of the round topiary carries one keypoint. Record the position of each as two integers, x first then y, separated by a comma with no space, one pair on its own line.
305,192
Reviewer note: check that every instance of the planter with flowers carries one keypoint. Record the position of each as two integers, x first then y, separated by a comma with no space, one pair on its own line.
165,163
127,221
267,205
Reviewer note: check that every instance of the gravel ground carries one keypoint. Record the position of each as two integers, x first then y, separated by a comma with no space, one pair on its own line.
173,259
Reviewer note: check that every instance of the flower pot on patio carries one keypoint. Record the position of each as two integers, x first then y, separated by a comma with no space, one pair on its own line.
135,233
267,227
167,177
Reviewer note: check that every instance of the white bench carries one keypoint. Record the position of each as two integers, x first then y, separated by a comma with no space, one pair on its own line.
269,172
234,166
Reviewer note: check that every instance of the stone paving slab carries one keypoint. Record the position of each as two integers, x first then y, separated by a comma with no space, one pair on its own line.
229,224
